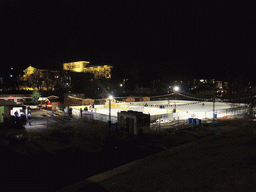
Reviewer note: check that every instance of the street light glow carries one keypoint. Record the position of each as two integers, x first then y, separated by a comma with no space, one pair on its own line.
176,88
121,85
110,97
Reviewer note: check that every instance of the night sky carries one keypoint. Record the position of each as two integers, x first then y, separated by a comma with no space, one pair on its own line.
143,40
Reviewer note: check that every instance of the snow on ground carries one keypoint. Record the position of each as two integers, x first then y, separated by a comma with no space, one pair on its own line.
184,108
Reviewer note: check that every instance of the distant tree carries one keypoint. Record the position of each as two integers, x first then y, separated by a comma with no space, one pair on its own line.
35,96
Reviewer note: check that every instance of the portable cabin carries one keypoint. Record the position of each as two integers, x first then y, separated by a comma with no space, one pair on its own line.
11,113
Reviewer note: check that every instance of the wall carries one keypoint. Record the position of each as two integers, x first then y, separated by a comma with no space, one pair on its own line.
1,116
153,118
6,111
96,116
105,118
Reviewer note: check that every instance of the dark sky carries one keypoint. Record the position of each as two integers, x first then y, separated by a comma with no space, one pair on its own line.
163,39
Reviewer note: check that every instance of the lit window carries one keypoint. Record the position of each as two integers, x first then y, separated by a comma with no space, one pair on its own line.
11,68
10,75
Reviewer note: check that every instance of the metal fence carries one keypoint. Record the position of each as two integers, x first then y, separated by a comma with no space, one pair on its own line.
90,116
167,117
203,115
104,117
172,120
220,113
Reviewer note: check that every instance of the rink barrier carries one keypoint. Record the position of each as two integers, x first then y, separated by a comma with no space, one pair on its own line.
86,116
168,112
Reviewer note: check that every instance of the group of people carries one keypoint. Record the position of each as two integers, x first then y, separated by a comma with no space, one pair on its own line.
91,107
18,118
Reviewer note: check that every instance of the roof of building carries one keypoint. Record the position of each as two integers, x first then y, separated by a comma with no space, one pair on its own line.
8,103
53,100
16,95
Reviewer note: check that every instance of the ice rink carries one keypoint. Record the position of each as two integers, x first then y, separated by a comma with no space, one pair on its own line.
184,109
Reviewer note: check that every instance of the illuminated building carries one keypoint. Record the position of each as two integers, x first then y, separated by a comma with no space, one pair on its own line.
100,72
75,77
219,84
38,79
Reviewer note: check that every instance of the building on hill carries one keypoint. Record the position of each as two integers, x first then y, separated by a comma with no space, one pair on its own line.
75,77
99,72
39,79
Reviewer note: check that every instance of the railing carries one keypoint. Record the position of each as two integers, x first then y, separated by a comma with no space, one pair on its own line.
90,116
203,115
166,117
104,117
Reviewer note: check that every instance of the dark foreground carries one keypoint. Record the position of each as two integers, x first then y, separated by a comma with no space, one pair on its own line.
82,156
223,161
215,154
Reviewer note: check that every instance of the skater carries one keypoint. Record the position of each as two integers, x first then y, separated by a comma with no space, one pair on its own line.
29,119
91,108
16,116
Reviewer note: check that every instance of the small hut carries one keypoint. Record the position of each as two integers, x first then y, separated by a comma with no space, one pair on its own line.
144,99
129,99
53,103
87,101
112,101
43,102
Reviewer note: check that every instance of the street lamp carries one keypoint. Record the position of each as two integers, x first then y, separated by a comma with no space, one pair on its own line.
168,102
110,98
68,101
176,88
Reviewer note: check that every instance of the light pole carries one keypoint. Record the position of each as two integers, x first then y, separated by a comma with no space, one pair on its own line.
213,101
68,102
176,88
168,97
110,98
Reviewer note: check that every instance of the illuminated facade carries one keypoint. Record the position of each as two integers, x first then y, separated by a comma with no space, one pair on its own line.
29,71
38,79
100,72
